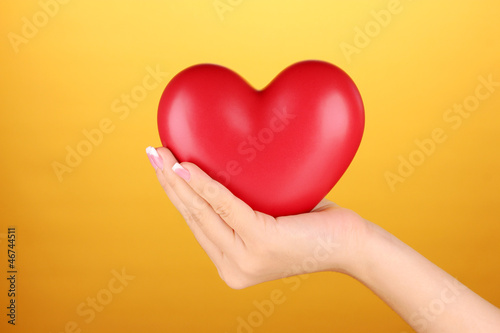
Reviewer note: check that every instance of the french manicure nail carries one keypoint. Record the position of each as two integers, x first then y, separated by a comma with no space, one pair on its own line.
154,158
181,172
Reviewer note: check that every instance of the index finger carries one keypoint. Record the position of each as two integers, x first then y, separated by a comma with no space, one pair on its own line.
231,209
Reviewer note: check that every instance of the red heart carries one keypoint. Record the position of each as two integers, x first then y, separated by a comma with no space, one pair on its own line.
280,149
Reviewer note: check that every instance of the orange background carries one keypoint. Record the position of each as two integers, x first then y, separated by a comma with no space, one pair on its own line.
69,72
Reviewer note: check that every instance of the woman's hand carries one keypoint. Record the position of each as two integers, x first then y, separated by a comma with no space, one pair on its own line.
249,247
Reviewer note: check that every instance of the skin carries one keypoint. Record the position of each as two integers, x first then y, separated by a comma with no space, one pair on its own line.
248,247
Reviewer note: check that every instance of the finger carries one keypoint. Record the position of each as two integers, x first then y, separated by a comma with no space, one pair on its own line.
159,163
212,251
323,204
178,204
235,213
200,214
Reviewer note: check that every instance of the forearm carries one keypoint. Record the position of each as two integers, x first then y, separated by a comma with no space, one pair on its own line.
425,296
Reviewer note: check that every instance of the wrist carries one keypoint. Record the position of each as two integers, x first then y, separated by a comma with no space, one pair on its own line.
368,246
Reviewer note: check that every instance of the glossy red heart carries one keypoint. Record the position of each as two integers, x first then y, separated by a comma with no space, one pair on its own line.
280,149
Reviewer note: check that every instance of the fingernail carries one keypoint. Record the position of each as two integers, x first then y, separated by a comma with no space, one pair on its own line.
181,172
154,158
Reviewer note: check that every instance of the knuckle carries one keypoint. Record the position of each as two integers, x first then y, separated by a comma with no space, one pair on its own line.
197,209
221,201
223,208
198,214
